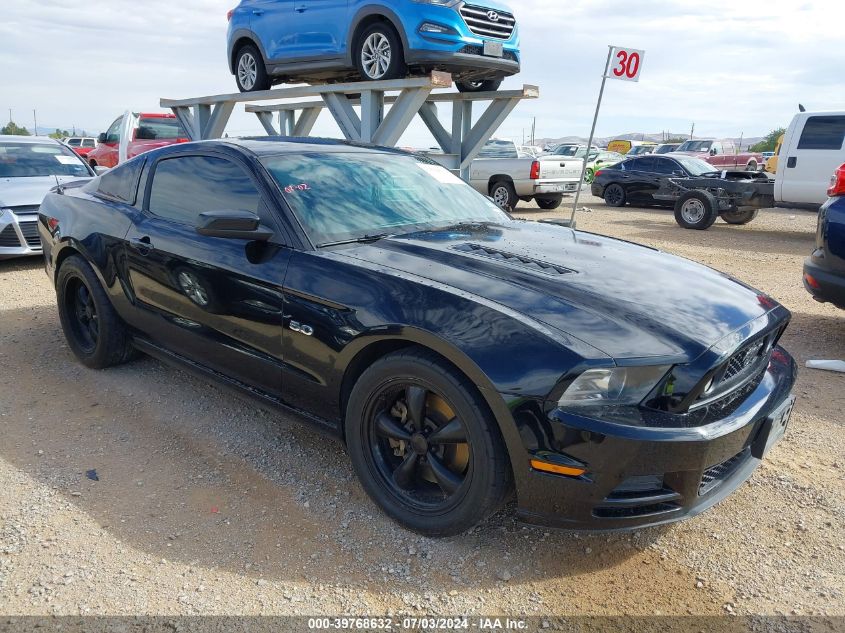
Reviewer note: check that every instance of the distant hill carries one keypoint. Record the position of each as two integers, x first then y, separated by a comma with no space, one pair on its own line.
602,141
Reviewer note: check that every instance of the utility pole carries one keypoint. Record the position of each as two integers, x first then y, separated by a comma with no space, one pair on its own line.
35,118
533,130
10,115
692,131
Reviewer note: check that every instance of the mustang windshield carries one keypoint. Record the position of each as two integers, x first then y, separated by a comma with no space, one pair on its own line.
346,196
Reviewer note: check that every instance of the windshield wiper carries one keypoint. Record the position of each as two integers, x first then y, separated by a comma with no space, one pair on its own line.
364,239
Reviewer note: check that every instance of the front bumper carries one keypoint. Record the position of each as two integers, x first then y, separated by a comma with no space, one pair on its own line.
639,477
831,285
18,234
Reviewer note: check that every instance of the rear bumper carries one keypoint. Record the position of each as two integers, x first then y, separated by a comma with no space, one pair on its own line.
18,235
831,285
638,477
554,188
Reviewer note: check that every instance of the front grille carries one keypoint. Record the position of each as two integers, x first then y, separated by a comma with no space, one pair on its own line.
535,265
715,475
744,358
26,209
9,238
30,233
488,22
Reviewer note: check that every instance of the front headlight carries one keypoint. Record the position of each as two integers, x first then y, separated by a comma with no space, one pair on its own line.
613,386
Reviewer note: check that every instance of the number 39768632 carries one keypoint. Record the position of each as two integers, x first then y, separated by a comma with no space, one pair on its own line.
625,64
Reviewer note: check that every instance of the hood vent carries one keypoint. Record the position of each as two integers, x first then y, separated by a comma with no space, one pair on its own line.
534,265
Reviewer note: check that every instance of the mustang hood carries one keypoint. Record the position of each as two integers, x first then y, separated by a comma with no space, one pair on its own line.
626,300
19,192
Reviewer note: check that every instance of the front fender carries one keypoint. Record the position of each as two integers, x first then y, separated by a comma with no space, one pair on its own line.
362,14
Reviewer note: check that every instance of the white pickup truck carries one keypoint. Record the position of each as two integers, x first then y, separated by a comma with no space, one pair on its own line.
503,174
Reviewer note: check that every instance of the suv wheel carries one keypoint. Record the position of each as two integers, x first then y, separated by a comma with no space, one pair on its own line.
379,54
489,85
424,445
250,72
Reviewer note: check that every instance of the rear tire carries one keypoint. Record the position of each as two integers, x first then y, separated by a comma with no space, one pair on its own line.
379,54
614,195
739,217
250,72
696,210
549,203
431,479
94,331
488,85
504,194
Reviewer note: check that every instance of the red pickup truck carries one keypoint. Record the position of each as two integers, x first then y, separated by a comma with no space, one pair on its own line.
149,131
722,154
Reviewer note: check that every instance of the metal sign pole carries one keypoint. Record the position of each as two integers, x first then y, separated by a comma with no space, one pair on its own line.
592,133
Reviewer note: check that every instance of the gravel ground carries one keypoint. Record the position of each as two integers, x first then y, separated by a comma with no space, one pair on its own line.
207,505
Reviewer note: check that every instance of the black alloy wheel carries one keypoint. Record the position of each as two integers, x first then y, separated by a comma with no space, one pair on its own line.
614,195
84,322
424,444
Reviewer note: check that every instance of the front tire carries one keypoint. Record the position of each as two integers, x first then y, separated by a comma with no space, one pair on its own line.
739,217
424,445
696,209
614,195
250,72
379,54
94,331
488,85
549,203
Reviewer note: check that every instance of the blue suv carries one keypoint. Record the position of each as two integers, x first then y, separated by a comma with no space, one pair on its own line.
319,41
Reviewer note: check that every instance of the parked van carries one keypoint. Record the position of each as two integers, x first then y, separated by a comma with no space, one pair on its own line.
813,147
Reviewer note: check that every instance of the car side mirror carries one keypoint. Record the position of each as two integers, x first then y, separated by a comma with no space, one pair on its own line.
102,138
100,170
678,172
233,224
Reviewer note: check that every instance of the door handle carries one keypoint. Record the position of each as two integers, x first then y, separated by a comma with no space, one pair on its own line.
792,161
301,9
141,244
257,12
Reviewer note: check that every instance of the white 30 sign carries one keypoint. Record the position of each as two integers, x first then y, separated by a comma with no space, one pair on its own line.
625,64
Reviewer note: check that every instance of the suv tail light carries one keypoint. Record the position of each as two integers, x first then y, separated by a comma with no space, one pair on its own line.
837,182
535,170
229,15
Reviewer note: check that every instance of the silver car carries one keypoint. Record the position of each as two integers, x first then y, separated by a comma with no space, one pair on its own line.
29,168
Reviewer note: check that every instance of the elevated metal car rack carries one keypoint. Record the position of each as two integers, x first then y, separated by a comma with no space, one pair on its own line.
206,117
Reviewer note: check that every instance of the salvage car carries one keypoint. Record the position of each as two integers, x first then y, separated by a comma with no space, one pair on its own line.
29,167
722,154
698,193
462,356
146,131
824,270
318,41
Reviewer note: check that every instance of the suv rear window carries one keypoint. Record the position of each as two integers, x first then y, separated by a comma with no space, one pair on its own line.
159,128
823,132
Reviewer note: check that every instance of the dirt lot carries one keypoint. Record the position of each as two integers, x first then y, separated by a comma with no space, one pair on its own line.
207,505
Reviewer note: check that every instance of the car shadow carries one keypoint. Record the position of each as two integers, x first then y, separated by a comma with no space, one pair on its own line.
183,471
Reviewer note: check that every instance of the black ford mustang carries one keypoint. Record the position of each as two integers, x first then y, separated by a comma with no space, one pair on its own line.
459,354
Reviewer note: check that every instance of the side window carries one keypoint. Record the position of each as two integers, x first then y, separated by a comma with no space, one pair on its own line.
823,132
663,166
185,186
644,164
113,133
74,142
717,148
121,183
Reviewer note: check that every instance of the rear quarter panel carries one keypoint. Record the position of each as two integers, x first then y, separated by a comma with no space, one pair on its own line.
92,227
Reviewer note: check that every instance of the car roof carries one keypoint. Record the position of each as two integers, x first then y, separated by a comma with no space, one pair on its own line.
9,138
272,145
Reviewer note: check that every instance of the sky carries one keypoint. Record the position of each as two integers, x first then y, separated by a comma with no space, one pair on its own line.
730,67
